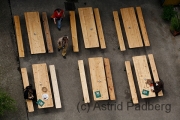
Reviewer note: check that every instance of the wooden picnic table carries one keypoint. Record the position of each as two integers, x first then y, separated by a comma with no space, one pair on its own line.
41,80
131,27
98,78
34,30
88,27
142,74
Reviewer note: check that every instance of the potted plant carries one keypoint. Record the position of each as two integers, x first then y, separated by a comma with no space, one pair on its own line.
168,13
175,25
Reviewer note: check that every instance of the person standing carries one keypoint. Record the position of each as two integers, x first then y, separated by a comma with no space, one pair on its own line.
58,16
63,44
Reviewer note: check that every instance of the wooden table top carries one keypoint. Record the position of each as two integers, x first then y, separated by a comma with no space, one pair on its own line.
98,78
88,27
34,30
41,80
131,27
142,74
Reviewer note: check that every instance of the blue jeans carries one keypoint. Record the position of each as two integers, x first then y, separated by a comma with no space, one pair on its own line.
59,22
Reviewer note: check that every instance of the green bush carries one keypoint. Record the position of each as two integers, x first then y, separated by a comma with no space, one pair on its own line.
168,13
6,103
175,23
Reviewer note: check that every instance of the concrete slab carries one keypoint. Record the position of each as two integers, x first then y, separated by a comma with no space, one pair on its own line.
164,47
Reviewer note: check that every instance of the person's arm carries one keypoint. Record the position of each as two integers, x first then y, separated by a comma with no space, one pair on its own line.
54,17
54,20
59,41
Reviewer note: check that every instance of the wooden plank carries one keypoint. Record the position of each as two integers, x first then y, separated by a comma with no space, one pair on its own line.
131,82
19,36
109,79
41,79
83,27
47,33
55,86
74,31
98,78
34,30
88,27
154,71
26,83
118,30
131,27
91,27
142,74
99,28
142,26
83,81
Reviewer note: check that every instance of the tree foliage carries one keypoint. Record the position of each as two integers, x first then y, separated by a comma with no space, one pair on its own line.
6,103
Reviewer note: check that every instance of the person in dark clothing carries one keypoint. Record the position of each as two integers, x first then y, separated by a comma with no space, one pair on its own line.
158,86
30,93
155,87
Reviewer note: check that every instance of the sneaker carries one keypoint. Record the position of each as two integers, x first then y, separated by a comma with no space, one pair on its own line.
59,49
64,57
59,29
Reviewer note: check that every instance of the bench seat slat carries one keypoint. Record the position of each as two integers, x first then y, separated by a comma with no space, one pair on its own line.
55,86
26,83
131,82
83,81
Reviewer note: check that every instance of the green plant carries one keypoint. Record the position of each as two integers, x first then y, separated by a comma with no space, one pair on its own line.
168,13
175,23
6,103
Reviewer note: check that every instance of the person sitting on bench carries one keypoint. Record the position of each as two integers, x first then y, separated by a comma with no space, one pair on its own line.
156,87
29,93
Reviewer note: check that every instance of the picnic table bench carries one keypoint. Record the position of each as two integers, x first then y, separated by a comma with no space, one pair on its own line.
119,31
109,79
19,36
142,26
74,31
26,83
131,27
83,81
47,32
154,71
34,30
143,74
41,80
99,28
88,27
98,78
57,99
131,82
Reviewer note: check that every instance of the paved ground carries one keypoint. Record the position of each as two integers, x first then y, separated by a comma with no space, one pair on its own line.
164,46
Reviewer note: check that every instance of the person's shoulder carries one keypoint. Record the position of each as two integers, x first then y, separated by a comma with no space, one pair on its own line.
60,38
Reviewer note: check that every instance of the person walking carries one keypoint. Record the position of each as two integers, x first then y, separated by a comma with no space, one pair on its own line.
63,44
58,16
